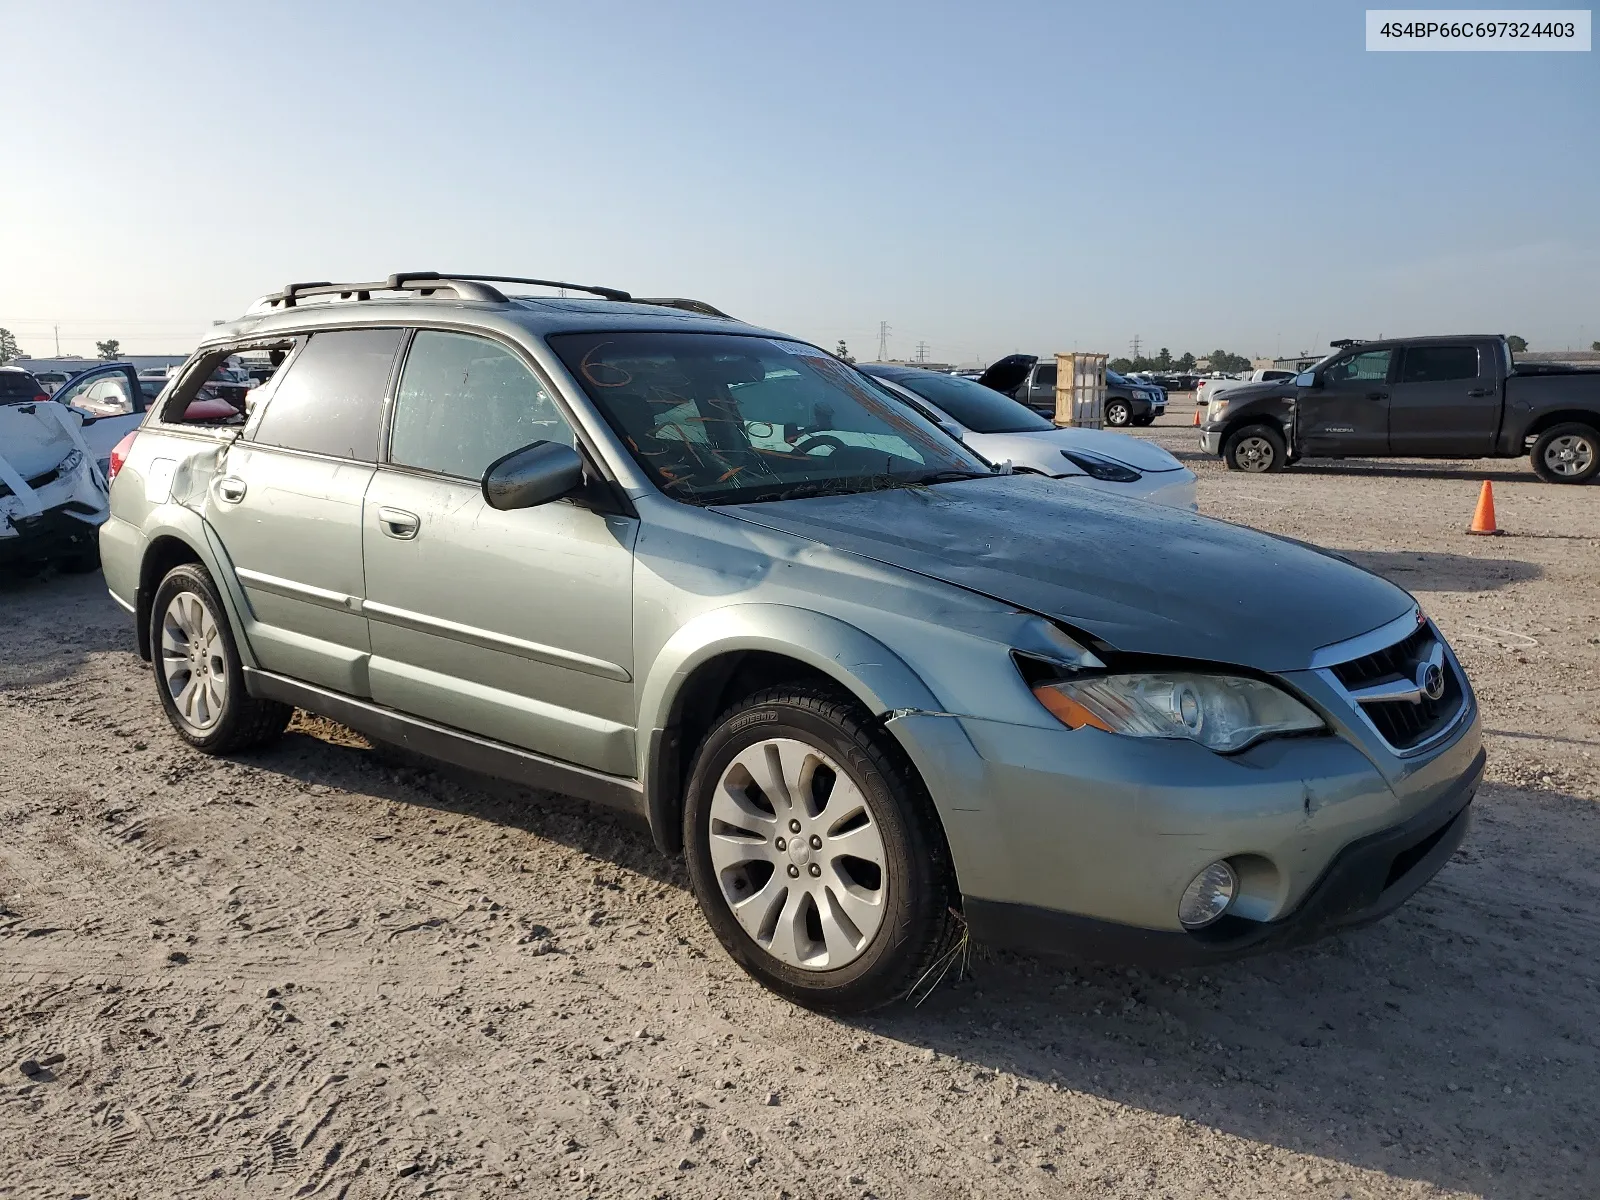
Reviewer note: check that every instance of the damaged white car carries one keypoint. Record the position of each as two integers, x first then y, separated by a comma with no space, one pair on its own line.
52,495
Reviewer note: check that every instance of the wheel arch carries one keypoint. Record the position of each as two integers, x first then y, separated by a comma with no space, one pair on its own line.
1563,416
173,536
709,662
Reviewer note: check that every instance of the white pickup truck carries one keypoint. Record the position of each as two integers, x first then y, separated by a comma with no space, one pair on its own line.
1208,389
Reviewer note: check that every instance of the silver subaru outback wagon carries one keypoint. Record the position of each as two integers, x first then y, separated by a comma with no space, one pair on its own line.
873,689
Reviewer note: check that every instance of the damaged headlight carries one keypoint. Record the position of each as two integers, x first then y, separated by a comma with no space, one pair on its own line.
1221,712
70,463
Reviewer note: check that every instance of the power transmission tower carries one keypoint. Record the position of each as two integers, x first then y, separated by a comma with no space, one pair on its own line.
883,341
922,352
1135,345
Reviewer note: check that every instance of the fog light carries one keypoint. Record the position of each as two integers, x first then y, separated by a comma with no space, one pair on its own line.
1207,897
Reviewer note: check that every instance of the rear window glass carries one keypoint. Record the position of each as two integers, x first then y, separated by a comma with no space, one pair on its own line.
18,385
1435,364
329,398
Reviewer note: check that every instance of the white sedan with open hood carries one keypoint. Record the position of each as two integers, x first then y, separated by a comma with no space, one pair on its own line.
1000,428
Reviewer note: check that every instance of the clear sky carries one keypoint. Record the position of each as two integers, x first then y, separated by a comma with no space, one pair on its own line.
983,176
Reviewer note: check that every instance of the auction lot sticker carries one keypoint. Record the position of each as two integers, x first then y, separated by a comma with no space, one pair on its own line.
1477,29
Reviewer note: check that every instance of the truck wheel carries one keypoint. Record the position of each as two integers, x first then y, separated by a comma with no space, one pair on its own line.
815,853
1256,449
198,674
1567,454
1118,413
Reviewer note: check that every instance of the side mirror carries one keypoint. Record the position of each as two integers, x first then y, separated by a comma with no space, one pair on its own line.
532,476
1306,379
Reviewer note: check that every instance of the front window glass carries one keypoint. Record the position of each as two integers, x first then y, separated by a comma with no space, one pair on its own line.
464,403
1370,366
722,418
1044,376
980,409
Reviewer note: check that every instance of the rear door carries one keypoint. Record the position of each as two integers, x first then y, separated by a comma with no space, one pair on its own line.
286,501
514,625
1349,412
1446,400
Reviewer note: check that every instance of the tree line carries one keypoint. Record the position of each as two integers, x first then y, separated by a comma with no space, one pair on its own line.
1163,362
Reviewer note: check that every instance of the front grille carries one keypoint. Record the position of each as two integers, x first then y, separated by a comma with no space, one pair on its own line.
1404,724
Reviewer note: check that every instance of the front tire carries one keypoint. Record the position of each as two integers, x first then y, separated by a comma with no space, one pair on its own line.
1118,413
199,677
1257,450
815,853
1567,453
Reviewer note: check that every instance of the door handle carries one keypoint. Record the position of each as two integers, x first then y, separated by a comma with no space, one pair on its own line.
230,488
1478,391
398,523
1377,395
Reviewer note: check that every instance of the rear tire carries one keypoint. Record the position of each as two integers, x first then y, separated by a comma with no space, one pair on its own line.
815,852
1257,450
1568,453
199,677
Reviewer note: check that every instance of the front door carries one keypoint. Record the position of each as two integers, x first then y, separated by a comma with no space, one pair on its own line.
517,626
111,404
286,502
1349,412
1446,401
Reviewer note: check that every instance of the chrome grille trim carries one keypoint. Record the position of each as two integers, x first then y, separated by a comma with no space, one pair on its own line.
1329,658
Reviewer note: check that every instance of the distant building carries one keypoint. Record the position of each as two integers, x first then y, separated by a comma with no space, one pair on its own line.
1298,362
1575,358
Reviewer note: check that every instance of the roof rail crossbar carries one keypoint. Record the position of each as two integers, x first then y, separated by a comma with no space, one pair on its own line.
607,293
424,283
683,302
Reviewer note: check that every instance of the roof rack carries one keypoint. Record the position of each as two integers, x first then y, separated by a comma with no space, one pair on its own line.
687,305
424,283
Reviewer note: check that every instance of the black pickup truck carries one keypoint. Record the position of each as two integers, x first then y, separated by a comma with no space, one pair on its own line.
1431,397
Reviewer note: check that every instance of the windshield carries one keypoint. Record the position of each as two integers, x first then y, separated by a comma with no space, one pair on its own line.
724,418
980,409
1116,380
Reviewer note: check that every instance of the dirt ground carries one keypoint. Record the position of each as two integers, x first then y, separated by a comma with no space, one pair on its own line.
312,972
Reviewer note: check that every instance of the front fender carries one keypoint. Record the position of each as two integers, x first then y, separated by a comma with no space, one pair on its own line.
867,668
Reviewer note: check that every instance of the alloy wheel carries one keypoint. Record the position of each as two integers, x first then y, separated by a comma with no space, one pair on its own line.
1117,414
797,854
1570,454
193,664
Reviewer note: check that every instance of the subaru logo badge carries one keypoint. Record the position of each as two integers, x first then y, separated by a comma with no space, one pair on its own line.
1430,678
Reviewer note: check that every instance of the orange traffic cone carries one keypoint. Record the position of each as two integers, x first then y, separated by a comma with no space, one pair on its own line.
1483,519
1197,414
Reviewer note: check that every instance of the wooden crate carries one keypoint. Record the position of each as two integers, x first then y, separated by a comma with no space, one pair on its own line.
1081,390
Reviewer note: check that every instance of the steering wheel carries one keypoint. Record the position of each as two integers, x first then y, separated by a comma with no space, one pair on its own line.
817,441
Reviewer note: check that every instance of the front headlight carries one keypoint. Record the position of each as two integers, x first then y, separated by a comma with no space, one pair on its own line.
1215,409
1101,468
70,463
1221,712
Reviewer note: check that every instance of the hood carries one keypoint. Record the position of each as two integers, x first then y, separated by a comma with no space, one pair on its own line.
1240,393
1135,452
1006,376
1142,577
31,441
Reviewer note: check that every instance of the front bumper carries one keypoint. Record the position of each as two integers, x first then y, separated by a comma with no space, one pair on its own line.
1082,842
1366,881
1211,441
53,533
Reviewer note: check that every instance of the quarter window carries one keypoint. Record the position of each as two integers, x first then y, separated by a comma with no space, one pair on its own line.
464,403
1436,364
329,399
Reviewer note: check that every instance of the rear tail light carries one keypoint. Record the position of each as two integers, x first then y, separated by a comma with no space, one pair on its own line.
39,397
119,455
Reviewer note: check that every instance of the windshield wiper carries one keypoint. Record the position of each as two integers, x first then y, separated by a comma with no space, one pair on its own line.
948,476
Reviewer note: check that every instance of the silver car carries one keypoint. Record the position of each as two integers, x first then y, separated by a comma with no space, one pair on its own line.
707,574
1002,430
